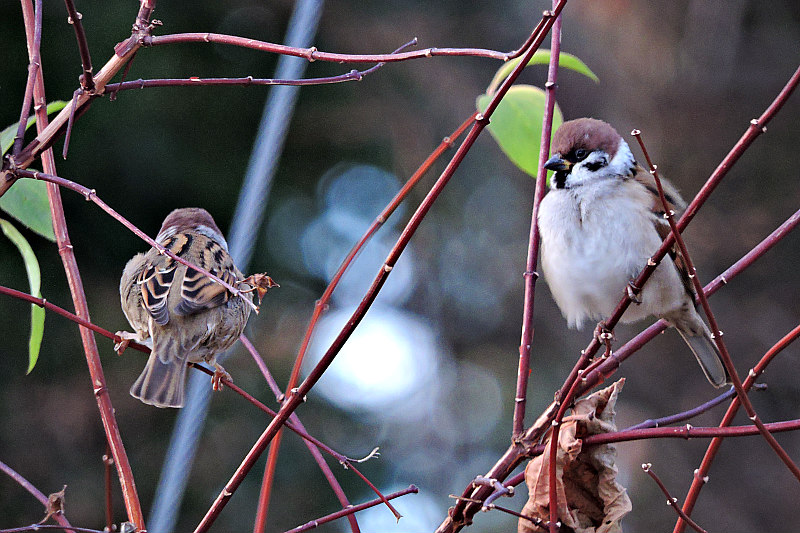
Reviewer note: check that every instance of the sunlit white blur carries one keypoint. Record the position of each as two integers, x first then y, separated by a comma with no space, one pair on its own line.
390,359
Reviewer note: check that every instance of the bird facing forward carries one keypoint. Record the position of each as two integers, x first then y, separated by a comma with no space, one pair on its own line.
181,314
599,224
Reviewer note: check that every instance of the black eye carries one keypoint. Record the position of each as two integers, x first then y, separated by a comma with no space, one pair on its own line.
580,154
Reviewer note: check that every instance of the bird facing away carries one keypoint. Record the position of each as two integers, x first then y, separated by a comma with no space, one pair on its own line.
183,315
599,224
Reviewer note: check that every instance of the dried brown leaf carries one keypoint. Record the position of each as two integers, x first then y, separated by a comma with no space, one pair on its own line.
260,283
589,498
55,504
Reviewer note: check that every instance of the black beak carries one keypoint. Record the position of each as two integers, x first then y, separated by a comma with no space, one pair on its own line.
558,164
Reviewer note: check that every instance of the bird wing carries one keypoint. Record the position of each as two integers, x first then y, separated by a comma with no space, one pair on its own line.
677,205
199,292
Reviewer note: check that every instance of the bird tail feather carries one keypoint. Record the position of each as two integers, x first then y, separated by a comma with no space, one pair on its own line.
162,381
707,354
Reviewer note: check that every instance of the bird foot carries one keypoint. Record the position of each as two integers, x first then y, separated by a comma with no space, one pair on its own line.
633,293
126,338
219,374
604,335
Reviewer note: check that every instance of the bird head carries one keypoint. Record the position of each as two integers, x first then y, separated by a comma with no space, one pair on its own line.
585,150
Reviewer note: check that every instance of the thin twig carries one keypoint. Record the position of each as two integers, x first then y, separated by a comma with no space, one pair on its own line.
36,493
312,54
272,455
672,502
108,465
684,415
716,331
38,527
353,509
294,419
41,302
322,303
34,52
688,431
195,81
87,78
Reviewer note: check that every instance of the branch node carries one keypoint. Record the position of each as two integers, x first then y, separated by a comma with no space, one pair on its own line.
645,466
79,16
387,268
310,55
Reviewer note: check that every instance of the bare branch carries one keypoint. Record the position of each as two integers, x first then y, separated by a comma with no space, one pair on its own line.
87,78
672,502
354,509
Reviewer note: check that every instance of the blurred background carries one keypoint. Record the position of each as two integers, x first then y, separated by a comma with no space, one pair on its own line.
429,375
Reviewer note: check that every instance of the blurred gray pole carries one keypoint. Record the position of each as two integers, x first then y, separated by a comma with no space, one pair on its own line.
244,229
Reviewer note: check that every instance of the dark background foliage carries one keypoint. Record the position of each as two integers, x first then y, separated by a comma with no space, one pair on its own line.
689,74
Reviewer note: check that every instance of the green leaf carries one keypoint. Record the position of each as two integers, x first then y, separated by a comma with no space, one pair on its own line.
516,124
7,135
542,57
35,282
26,201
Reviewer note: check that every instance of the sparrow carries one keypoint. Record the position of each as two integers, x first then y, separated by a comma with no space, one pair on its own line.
183,315
599,224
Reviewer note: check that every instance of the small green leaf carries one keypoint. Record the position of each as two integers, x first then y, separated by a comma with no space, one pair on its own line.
516,124
542,57
27,201
7,135
35,282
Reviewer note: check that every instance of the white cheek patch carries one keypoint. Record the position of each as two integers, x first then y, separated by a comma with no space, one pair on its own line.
600,166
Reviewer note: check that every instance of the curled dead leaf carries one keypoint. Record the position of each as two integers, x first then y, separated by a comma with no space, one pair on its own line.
589,498
55,504
260,283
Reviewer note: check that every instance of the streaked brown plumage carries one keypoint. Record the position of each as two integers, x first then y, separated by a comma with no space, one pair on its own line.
183,315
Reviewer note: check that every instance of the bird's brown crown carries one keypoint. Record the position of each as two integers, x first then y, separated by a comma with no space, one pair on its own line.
586,133
189,218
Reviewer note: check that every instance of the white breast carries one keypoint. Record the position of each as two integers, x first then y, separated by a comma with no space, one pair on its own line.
595,239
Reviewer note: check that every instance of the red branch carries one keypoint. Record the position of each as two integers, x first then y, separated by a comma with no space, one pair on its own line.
322,303
36,493
34,52
312,54
701,473
87,78
353,509
672,502
110,426
530,276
